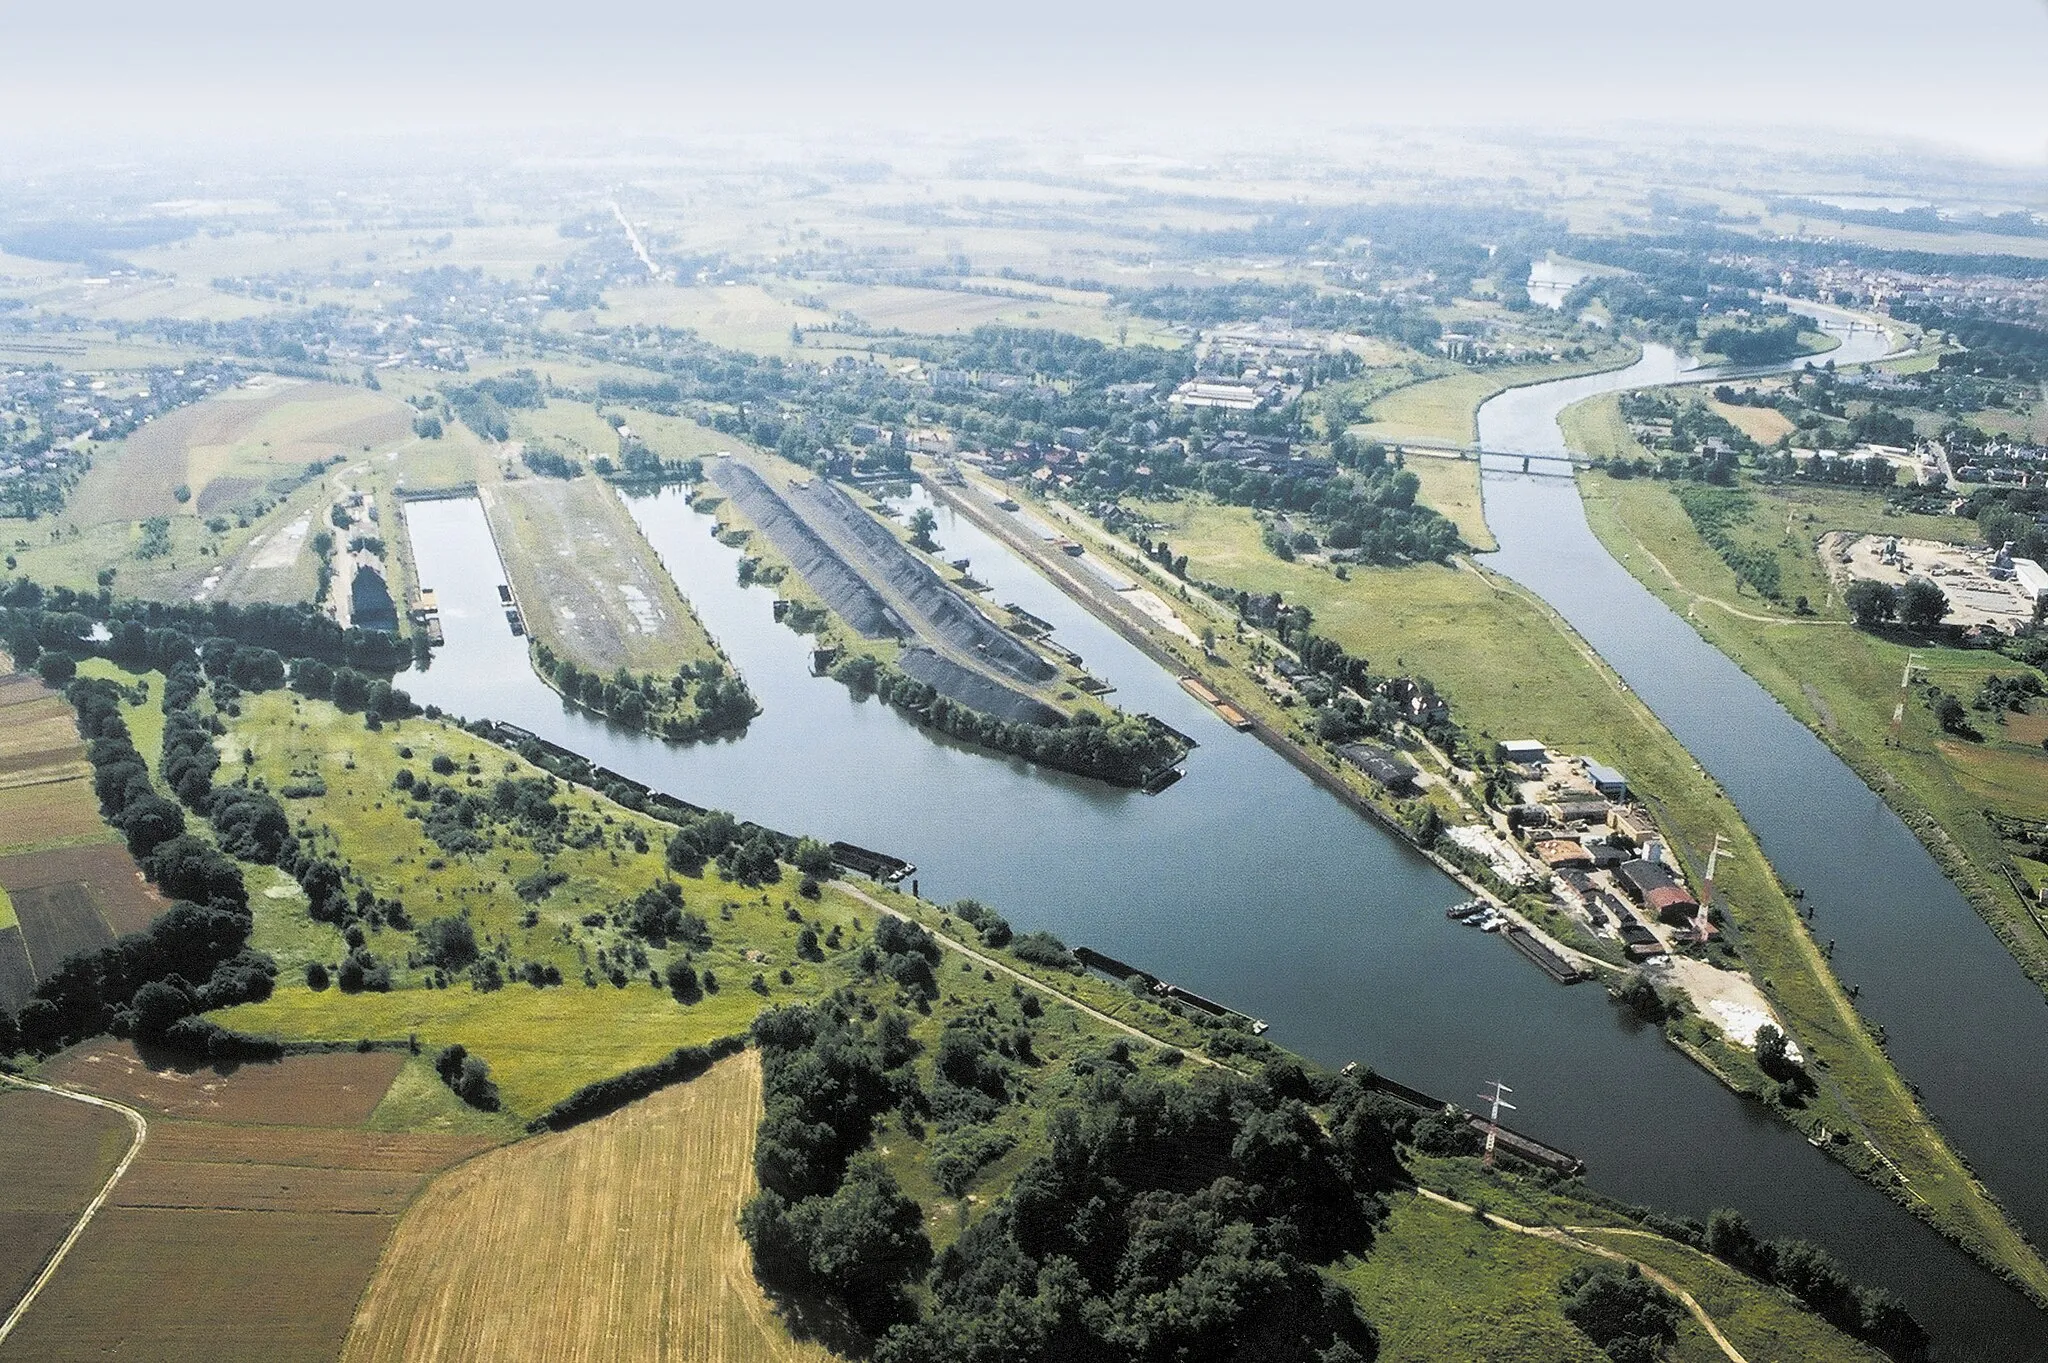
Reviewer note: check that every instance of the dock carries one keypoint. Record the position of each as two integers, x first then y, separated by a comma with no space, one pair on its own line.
874,865
1552,964
1124,972
1523,1147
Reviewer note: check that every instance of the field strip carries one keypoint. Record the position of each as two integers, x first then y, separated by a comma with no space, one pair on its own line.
1041,986
136,1120
1564,1236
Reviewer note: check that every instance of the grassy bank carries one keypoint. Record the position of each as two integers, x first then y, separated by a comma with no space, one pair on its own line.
1512,668
1843,683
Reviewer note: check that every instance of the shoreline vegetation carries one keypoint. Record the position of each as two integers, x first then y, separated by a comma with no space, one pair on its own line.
975,1085
1863,1115
1829,696
1097,740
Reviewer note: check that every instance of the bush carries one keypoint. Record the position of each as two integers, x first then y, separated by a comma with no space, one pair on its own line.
1628,1316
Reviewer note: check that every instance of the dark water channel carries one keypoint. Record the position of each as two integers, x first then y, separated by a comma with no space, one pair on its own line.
1963,1022
1243,881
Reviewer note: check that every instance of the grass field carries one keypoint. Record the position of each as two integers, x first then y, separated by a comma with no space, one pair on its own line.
616,1239
1451,486
1447,408
542,1043
1842,682
589,584
1509,665
1762,1322
1595,427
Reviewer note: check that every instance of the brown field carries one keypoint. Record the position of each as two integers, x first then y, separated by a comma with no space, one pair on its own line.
125,900
339,1089
63,810
208,1286
227,1242
613,1240
1761,424
2031,730
54,1155
57,922
19,688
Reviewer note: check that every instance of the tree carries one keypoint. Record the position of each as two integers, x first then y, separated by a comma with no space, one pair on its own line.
1921,604
1871,603
922,524
1627,1315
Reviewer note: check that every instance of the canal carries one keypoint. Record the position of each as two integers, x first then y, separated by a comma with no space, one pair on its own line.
1245,881
1963,1022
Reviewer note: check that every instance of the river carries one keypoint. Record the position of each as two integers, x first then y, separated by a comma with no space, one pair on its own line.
1962,1020
1244,881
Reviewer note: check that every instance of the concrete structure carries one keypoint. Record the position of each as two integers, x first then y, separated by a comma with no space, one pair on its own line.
1525,750
2031,578
1605,779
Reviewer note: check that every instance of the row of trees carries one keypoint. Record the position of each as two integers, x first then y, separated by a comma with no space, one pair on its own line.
1918,604
1123,750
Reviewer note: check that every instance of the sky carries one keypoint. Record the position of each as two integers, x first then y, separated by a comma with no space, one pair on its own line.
1966,74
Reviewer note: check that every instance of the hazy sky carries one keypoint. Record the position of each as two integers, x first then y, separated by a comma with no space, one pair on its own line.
1970,73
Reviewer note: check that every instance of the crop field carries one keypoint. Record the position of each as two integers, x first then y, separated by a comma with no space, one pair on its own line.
233,1240
587,580
616,1239
66,884
46,797
54,1155
338,1089
248,443
109,876
507,249
245,435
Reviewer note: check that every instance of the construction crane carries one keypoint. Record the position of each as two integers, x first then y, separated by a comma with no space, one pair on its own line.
1498,1099
1905,685
1707,887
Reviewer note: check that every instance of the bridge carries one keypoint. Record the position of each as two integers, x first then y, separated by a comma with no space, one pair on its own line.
1494,461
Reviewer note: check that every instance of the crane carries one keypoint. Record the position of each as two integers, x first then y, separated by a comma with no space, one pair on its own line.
1498,1100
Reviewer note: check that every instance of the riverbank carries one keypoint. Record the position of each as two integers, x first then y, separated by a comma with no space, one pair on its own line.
1843,683
1512,665
1206,668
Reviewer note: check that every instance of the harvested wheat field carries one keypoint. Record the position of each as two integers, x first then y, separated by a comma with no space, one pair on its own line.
615,1240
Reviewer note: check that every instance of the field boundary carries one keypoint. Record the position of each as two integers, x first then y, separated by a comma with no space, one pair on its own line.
56,1260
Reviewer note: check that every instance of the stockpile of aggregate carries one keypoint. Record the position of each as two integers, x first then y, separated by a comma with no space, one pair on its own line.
948,615
975,690
836,581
